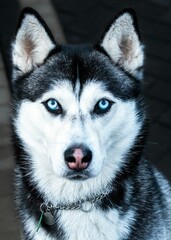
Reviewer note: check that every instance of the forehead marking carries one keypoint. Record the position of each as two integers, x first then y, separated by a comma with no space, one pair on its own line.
77,84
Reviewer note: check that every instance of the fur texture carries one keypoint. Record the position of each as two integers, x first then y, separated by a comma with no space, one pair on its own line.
82,81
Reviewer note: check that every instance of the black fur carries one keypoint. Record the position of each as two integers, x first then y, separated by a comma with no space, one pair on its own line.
90,64
135,186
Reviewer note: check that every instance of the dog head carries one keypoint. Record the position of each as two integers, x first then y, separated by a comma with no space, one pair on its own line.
76,111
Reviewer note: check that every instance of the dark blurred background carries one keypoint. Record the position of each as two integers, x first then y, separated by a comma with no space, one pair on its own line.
78,21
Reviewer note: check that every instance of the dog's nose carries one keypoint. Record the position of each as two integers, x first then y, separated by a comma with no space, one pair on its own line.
78,158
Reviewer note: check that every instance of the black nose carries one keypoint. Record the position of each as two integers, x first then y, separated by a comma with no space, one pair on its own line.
78,157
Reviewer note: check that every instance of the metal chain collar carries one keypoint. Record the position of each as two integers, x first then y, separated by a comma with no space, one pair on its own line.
86,205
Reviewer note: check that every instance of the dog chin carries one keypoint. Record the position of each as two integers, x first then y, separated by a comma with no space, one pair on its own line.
78,176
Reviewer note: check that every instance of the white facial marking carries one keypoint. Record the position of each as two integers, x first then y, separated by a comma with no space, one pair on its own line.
77,85
46,137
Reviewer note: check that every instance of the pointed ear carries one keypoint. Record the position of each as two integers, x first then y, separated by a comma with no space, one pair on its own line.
122,42
32,43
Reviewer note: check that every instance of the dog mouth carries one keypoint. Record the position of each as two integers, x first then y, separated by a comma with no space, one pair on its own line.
78,175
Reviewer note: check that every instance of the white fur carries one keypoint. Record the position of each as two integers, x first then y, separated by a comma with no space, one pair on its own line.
109,137
32,44
96,225
122,44
87,226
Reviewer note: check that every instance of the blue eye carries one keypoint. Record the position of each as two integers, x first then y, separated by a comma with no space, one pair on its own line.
102,106
53,106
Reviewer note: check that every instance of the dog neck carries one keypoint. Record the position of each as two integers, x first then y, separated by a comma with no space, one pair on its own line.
47,210
86,205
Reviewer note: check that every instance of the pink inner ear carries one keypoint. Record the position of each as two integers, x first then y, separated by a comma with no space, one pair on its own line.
32,44
126,47
122,43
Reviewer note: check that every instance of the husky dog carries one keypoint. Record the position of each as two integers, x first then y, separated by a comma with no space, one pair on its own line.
79,131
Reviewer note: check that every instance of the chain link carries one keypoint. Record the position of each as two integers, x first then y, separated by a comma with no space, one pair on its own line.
77,205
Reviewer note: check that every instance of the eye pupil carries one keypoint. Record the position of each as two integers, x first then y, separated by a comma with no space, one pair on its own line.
52,102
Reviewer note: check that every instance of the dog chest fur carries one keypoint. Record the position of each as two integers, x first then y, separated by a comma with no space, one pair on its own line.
88,226
96,225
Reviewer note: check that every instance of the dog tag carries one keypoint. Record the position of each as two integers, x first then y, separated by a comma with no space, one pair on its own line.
48,218
87,206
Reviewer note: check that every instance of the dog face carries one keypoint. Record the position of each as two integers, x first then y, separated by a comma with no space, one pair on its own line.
76,106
